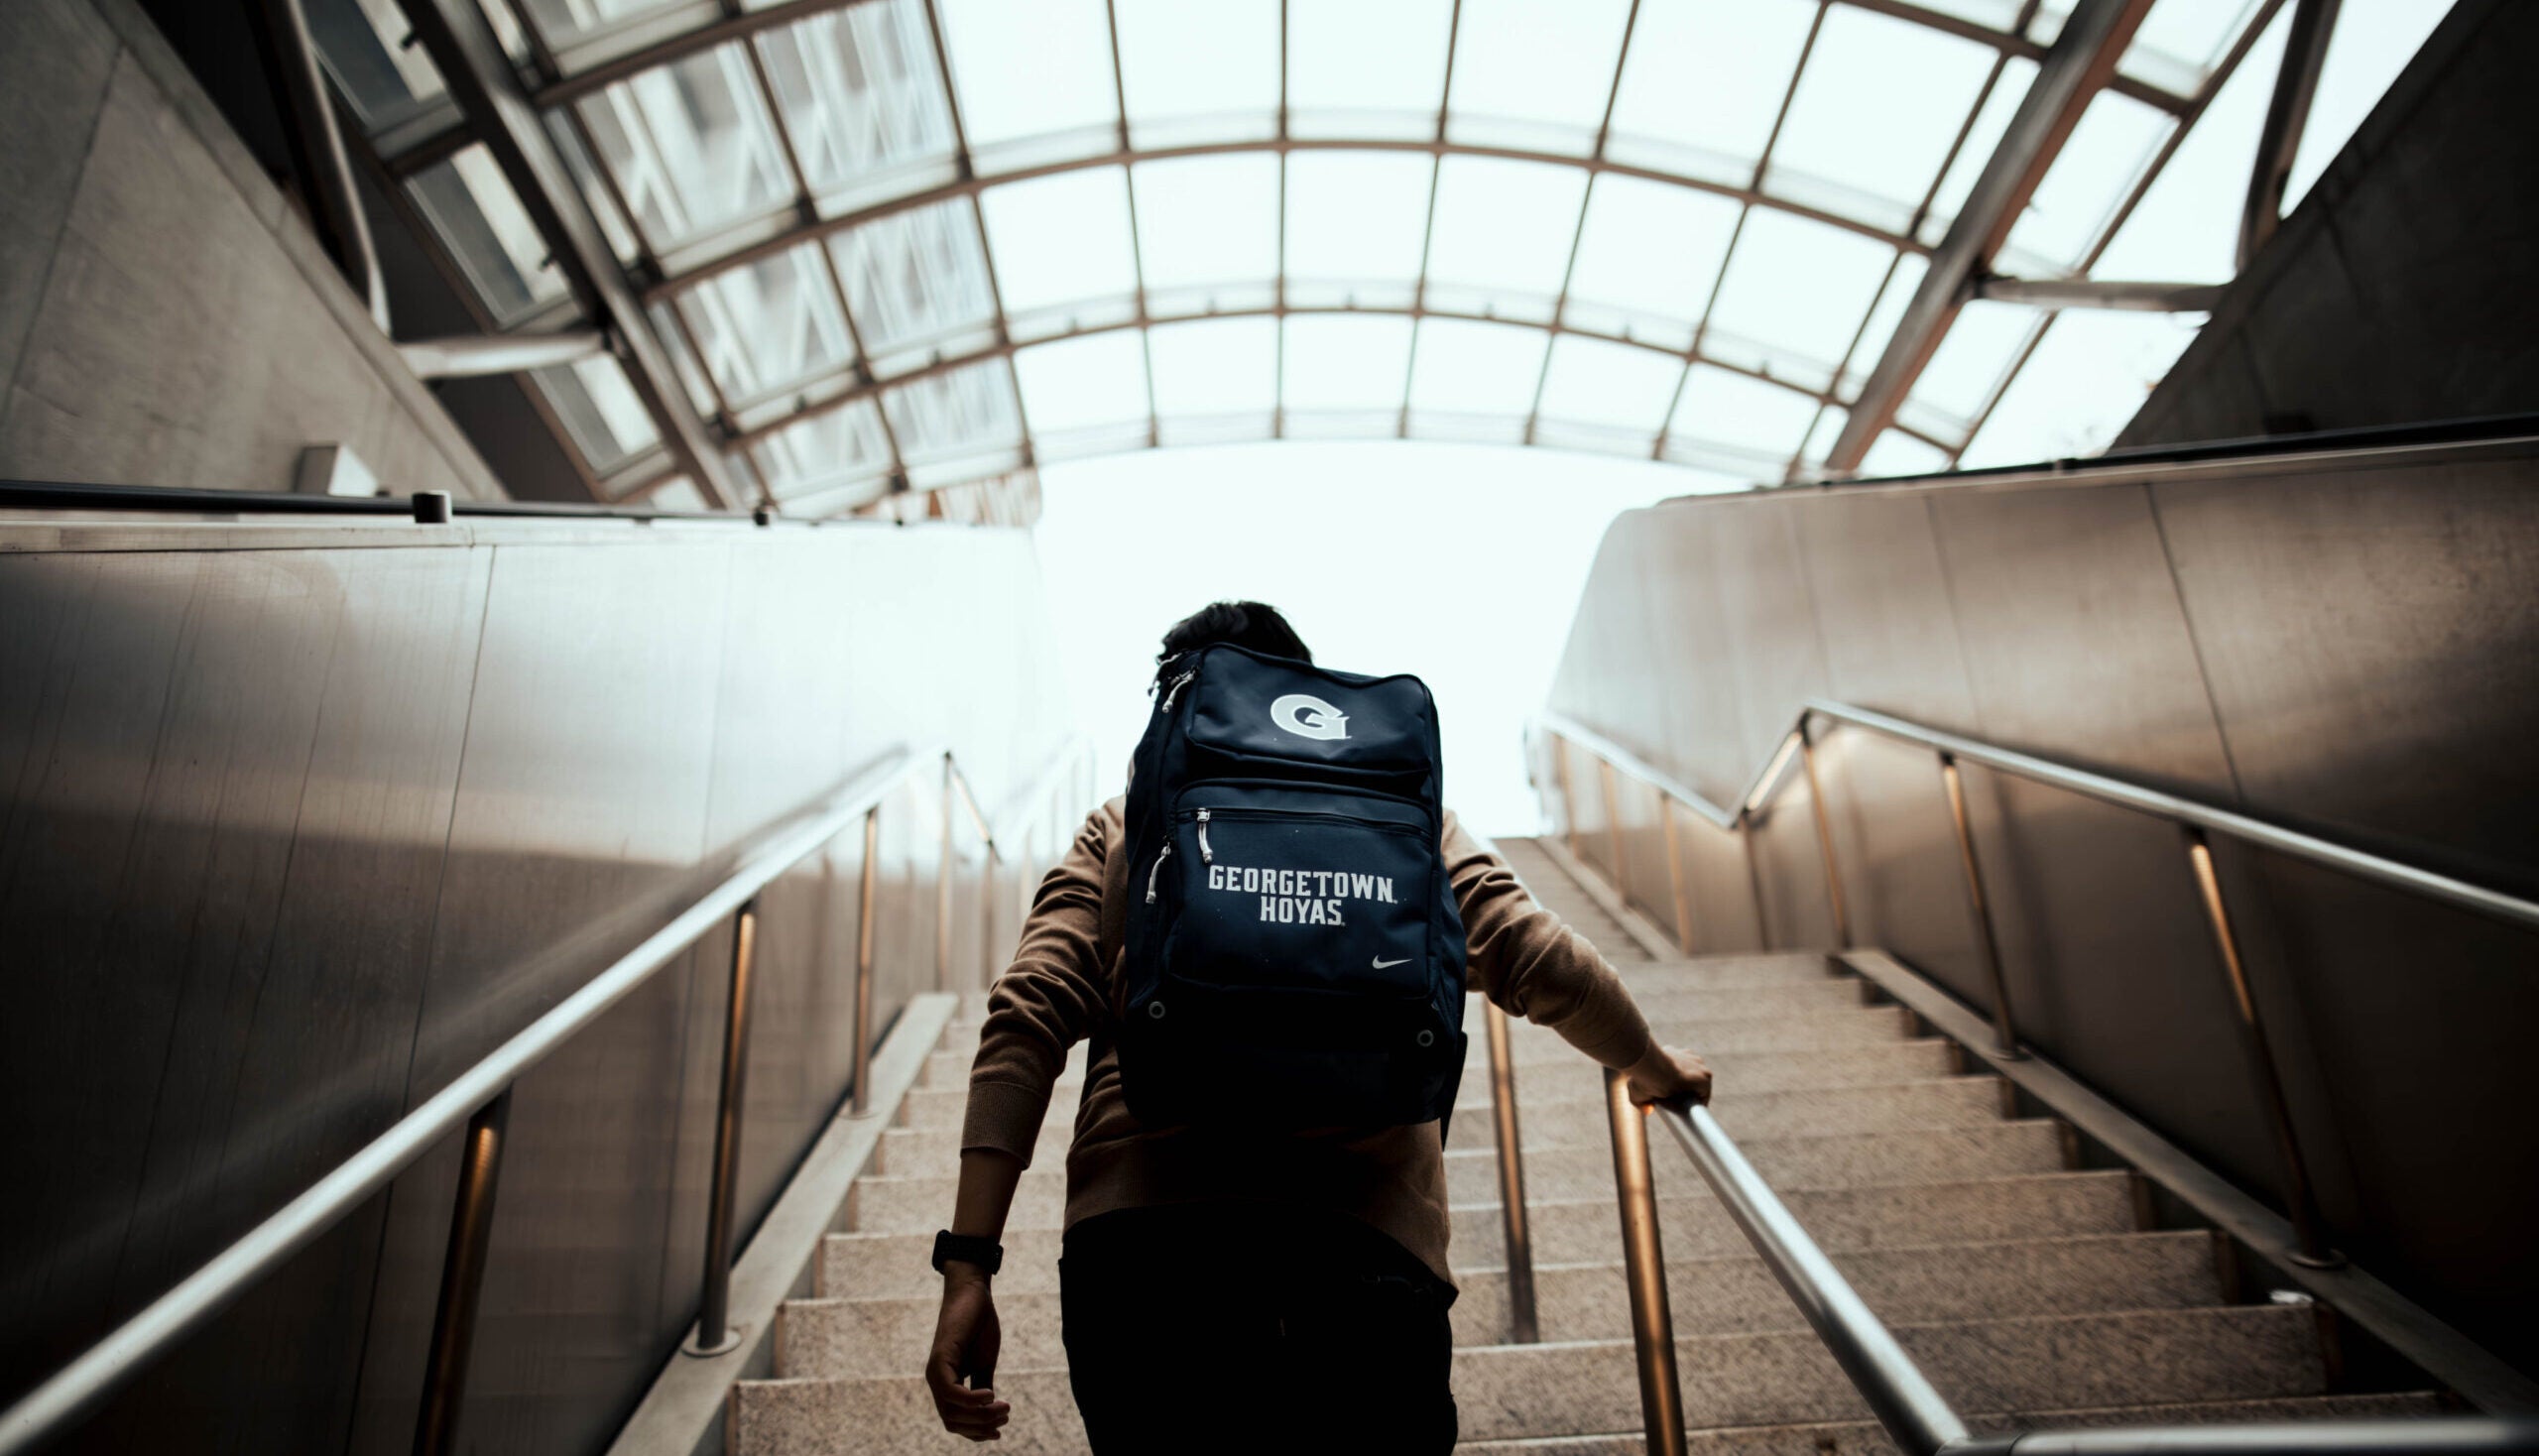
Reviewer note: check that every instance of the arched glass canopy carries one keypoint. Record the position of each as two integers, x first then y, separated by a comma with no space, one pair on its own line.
913,243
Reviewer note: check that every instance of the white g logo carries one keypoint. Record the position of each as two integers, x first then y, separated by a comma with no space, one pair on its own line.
1308,716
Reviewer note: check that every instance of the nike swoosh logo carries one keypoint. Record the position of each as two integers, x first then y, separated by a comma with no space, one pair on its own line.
1382,964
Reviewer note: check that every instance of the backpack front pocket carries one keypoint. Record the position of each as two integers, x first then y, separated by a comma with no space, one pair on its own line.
1305,900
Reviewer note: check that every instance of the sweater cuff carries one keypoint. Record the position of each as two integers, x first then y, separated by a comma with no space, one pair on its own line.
1624,1049
1004,1116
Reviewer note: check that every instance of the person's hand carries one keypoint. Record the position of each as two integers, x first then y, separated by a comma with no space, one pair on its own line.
966,1338
1666,1073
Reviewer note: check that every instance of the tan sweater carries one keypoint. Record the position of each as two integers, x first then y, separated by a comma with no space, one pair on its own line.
1058,991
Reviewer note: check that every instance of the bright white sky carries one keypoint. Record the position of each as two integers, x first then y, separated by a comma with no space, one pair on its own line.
1461,564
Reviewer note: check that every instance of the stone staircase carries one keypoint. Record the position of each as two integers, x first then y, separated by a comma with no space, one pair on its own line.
2025,1287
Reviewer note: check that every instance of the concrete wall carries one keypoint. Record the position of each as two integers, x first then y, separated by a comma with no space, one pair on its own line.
165,317
2341,646
2405,288
299,823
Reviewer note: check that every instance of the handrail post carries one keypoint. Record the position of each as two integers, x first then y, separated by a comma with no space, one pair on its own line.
462,1278
1614,830
1653,1322
2005,1031
714,1334
1568,793
863,1103
1824,835
1676,873
1522,1328
944,887
1754,880
2309,1227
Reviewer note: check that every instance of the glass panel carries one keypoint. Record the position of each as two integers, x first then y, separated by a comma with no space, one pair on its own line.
387,82
480,220
1873,116
2187,229
1028,67
1221,366
1704,81
769,324
825,451
1366,70
1798,287
564,21
2373,40
2088,375
621,241
1651,247
1544,66
1211,69
859,90
678,495
1334,363
690,144
955,413
2000,15
1504,226
2008,89
1598,383
1881,321
1061,238
1981,344
2107,152
2181,40
915,275
1829,428
1477,368
692,374
1088,381
1356,216
599,410
1208,219
1723,406
1894,452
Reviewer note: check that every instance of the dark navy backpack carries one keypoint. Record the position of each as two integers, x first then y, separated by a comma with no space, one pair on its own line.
1294,958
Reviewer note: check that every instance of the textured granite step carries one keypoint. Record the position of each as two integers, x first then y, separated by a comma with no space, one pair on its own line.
832,1339
1577,1114
1863,1063
1861,1438
1845,1027
892,1199
1775,1379
1585,1231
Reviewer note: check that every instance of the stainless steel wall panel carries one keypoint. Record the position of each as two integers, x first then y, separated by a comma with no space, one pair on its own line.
2370,652
2073,636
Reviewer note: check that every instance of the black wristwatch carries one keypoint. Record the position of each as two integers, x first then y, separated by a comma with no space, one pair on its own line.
987,1253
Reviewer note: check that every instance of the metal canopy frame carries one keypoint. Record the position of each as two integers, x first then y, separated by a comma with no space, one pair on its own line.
519,112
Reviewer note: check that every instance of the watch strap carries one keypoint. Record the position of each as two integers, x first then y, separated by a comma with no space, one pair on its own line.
987,1253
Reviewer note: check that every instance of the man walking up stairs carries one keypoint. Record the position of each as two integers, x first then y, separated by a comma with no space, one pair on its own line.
2024,1287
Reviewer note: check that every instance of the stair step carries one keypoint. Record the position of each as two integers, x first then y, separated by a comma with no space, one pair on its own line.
1574,1121
834,1339
1847,1027
895,1200
1541,1064
1511,1390
2048,1205
1861,1438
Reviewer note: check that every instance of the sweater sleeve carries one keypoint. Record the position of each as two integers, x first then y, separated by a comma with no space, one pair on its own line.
1525,959
1053,995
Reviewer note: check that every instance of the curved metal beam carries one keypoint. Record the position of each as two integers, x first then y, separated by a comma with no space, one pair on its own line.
972,185
873,389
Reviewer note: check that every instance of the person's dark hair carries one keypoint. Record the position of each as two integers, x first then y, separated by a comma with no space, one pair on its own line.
1256,625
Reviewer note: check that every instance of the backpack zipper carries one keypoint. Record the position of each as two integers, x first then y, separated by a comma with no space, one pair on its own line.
1175,689
1158,870
1207,856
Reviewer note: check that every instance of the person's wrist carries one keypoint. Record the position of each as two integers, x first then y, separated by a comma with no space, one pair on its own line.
960,1273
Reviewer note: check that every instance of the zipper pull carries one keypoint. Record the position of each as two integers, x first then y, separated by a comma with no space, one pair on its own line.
1176,690
1207,856
1158,870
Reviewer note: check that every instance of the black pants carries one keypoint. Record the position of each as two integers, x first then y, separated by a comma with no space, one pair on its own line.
1254,1329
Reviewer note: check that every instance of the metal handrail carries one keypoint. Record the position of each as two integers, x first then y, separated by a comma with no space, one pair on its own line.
1515,1222
478,1099
1905,1402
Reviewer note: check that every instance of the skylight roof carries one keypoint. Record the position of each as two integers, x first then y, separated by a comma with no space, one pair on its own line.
893,241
